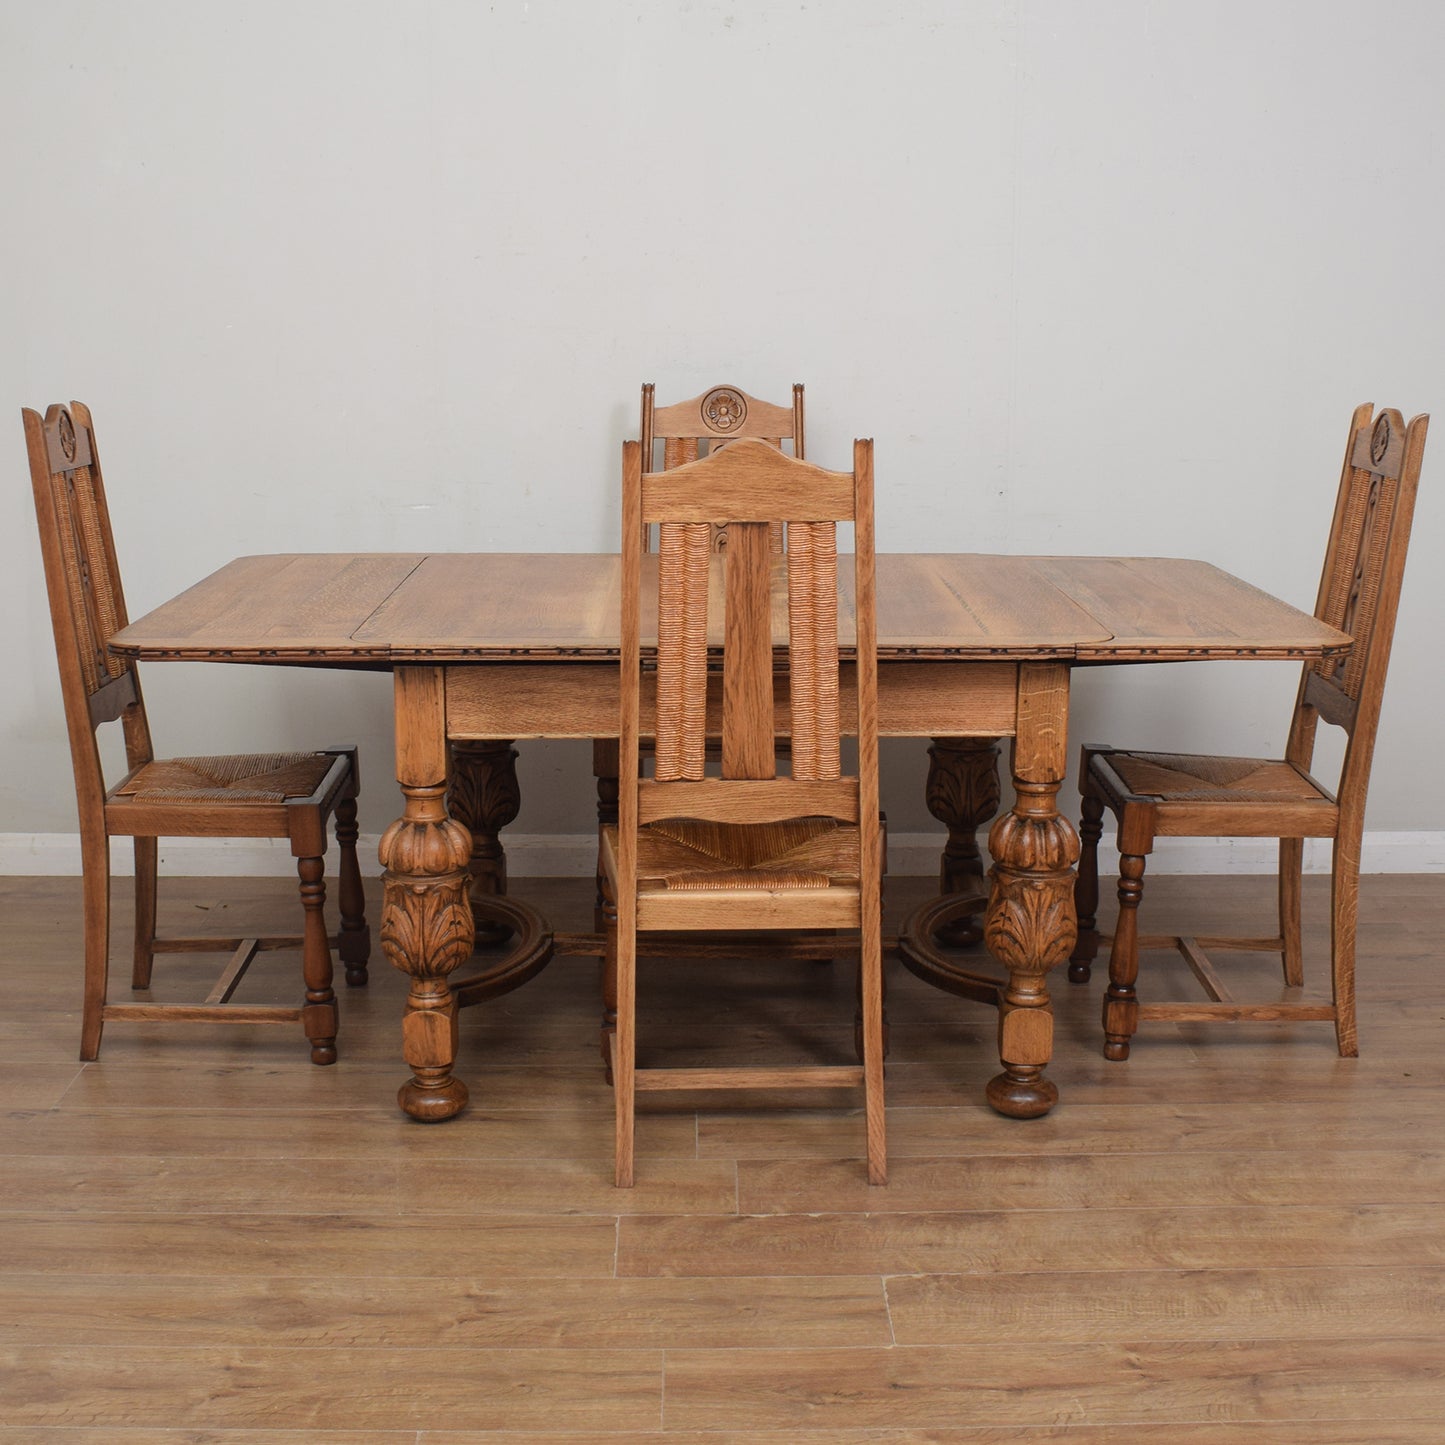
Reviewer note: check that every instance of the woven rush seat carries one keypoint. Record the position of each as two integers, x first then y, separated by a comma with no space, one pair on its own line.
250,778
694,854
1199,779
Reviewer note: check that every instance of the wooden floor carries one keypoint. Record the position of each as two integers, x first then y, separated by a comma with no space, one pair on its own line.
1236,1236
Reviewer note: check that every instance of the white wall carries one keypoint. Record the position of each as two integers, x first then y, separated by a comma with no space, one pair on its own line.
1098,278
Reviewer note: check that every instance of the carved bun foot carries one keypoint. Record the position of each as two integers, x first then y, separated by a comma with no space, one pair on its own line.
1029,1096
432,1102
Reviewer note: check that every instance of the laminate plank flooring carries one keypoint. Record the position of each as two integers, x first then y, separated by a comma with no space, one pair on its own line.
1235,1237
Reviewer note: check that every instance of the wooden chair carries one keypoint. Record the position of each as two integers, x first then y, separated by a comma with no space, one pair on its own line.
673,436
746,850
1156,795
272,795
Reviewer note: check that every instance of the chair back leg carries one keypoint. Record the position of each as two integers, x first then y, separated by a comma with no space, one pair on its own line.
1344,911
146,853
354,941
1086,888
95,855
1291,874
624,1055
870,977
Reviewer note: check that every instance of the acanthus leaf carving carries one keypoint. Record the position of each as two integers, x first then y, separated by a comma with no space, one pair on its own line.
1030,925
426,926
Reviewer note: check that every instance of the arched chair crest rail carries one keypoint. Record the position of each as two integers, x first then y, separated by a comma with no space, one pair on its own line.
289,795
1159,794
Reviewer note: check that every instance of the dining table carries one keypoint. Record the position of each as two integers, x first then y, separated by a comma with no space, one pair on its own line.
490,648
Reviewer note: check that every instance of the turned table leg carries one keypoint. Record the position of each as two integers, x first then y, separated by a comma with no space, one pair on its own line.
962,792
484,797
426,919
1030,924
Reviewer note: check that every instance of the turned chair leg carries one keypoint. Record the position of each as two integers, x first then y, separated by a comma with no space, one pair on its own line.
1291,872
354,941
1086,888
318,1017
95,885
1344,911
1121,1003
146,854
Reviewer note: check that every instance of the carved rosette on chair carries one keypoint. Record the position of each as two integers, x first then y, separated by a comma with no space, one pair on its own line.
427,932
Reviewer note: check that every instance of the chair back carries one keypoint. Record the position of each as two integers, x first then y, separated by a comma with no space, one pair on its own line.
747,486
686,431
82,581
1360,591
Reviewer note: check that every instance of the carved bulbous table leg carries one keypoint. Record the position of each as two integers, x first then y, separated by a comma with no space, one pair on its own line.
426,918
427,932
1030,925
1030,929
962,792
484,797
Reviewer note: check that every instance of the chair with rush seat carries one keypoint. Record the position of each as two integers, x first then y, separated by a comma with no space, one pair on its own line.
272,795
745,850
685,432
1155,795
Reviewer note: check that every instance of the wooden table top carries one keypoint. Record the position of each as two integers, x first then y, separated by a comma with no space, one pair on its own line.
380,610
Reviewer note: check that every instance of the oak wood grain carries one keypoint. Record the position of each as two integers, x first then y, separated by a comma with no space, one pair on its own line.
560,605
1121,1385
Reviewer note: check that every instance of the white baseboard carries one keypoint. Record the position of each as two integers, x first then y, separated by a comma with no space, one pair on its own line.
573,855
